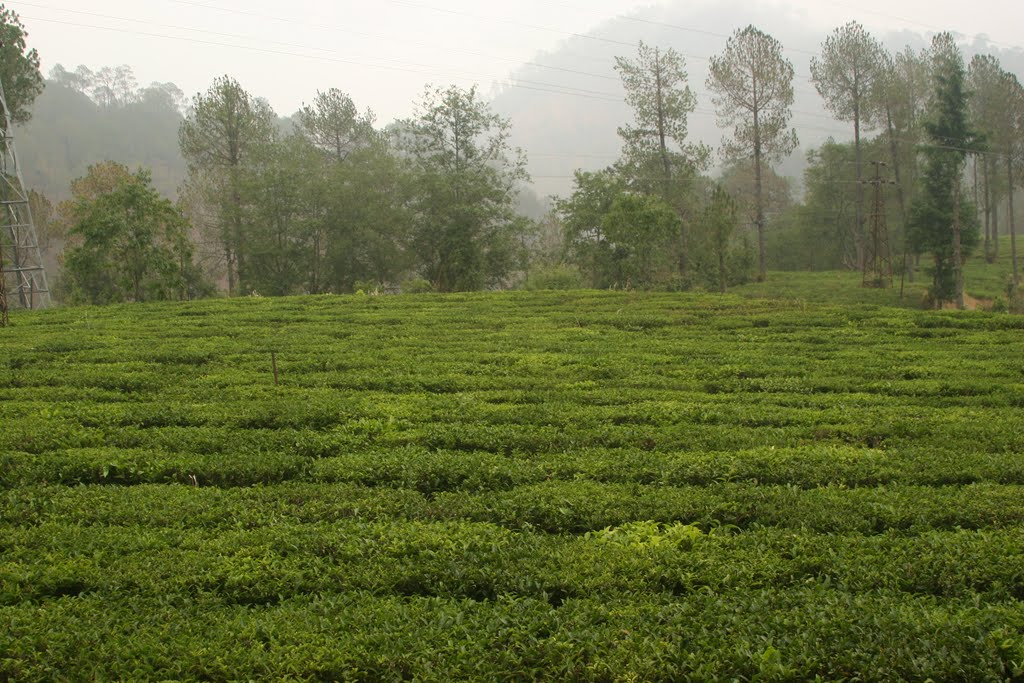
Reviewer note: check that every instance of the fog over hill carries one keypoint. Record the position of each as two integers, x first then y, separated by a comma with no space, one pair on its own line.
565,107
573,125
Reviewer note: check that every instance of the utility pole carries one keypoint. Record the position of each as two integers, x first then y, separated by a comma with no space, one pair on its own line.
21,261
877,258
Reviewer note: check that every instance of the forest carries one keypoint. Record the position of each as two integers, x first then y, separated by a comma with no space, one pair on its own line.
237,200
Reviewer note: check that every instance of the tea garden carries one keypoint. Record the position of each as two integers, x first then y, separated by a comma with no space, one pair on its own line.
590,486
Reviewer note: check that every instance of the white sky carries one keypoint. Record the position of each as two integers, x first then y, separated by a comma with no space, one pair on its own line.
383,52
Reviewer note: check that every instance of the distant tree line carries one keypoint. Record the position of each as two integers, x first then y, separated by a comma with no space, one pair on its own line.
335,203
935,117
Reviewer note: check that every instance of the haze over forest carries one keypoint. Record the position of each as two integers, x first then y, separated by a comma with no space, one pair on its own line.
565,107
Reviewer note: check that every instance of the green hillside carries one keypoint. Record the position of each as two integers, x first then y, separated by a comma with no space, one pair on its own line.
518,486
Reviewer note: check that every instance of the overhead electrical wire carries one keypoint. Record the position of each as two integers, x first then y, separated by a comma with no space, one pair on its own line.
915,22
479,17
501,80
548,88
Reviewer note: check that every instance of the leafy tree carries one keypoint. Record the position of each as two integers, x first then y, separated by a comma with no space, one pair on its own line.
100,179
132,246
657,159
819,233
19,67
370,218
721,216
365,192
902,94
737,177
989,116
582,215
1007,141
221,138
283,191
466,234
942,222
753,91
852,62
639,230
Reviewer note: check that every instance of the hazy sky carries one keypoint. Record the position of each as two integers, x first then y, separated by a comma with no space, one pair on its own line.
383,52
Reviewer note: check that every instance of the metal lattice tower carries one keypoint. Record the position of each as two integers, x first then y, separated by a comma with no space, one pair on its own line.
21,261
878,259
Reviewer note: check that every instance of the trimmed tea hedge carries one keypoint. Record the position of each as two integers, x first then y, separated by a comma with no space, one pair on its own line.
585,486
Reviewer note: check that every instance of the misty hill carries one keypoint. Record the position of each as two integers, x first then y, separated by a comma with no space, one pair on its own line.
69,131
573,125
85,117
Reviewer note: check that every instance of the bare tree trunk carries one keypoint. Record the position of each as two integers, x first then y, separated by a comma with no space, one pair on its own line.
994,203
666,167
721,269
859,237
229,261
1013,223
908,267
958,260
987,196
762,241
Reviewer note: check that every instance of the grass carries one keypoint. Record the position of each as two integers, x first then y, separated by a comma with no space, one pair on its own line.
982,280
520,486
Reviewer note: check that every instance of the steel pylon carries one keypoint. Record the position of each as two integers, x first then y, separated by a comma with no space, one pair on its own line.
21,260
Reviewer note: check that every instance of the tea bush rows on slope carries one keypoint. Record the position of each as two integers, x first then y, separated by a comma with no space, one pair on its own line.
587,485
483,562
805,634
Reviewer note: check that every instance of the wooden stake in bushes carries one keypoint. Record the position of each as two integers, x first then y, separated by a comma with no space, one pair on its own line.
273,362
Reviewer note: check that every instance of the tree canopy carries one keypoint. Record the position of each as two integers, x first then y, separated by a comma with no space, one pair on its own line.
19,66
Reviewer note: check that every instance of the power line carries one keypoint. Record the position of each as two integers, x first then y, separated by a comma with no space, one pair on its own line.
614,96
410,3
528,85
537,86
914,22
550,88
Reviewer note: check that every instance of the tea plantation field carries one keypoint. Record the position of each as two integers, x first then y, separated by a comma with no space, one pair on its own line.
503,487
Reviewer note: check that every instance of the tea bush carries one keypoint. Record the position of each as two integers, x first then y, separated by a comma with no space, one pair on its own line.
589,486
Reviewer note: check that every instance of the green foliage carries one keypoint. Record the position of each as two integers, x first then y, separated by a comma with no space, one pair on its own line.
753,92
821,232
467,235
639,230
19,67
227,129
657,157
334,124
554,277
851,64
369,219
283,202
943,222
723,262
133,246
417,285
582,215
585,485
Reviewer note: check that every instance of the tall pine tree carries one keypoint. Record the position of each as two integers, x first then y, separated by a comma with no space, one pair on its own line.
942,222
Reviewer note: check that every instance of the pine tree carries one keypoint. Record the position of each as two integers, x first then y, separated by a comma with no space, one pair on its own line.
943,223
753,86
